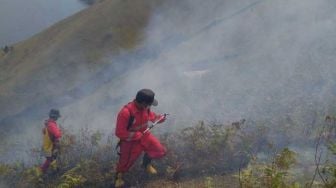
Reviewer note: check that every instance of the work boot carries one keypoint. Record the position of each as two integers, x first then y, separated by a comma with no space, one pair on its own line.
119,182
146,163
38,172
53,165
150,169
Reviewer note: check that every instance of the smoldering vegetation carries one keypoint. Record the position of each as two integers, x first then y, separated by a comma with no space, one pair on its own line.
268,62
261,60
243,150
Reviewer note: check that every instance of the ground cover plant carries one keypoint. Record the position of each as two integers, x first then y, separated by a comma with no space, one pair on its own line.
204,154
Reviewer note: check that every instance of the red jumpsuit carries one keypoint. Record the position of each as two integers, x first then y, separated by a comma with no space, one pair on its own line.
51,136
132,141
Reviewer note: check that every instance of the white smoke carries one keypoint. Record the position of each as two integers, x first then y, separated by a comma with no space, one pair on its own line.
221,61
227,61
224,60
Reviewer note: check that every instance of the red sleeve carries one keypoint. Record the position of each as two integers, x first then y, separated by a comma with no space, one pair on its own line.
54,131
152,116
121,127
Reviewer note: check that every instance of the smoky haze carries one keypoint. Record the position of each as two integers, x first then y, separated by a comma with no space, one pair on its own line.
219,61
224,60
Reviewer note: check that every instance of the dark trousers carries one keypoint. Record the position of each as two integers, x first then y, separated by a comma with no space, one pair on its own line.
46,164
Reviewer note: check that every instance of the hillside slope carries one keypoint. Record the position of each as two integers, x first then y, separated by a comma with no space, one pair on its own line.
51,64
64,63
206,60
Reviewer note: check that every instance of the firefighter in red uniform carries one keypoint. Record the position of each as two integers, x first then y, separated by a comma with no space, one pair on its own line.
51,136
132,121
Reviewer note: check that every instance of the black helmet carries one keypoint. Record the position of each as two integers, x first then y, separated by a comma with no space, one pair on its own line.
146,96
54,113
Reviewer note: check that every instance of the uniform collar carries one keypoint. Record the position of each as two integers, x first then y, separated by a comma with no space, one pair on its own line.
135,108
51,120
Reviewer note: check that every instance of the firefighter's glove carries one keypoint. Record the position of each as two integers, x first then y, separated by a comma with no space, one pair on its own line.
162,118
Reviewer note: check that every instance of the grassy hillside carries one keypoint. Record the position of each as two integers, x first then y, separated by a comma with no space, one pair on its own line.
50,63
202,155
269,62
65,63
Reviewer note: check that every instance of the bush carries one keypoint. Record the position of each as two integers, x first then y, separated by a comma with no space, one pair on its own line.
87,159
274,174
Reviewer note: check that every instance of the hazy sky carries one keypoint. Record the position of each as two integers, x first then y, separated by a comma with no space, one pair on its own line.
20,19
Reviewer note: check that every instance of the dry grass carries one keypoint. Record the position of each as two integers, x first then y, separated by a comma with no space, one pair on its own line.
203,182
53,57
